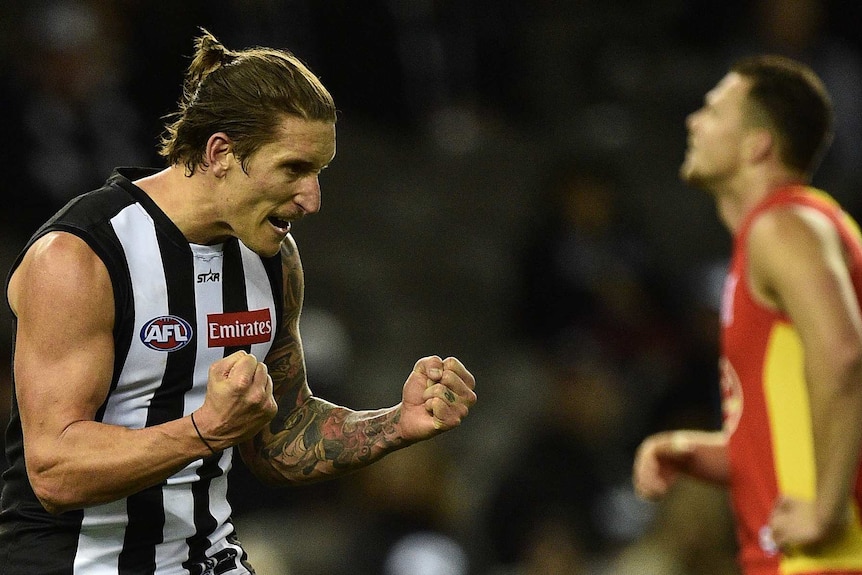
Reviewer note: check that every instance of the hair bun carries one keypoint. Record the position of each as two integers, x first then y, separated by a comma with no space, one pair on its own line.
210,55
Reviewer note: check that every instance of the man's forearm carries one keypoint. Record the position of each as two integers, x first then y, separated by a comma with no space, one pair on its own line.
837,445
709,459
318,440
109,462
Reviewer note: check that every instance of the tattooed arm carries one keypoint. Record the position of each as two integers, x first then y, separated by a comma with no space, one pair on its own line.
311,439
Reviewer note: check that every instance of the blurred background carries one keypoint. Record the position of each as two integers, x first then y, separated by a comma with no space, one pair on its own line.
505,191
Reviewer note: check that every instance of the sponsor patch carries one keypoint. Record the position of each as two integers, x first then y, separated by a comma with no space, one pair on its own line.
210,276
166,333
239,328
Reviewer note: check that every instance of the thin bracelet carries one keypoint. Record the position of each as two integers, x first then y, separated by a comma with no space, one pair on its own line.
210,447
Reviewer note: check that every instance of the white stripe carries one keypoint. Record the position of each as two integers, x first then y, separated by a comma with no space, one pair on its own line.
219,507
103,527
100,544
144,369
208,297
179,503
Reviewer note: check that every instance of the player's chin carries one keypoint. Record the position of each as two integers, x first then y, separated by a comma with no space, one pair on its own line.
685,169
688,173
269,244
268,248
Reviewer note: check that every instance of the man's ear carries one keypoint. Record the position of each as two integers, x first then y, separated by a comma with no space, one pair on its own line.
219,154
758,145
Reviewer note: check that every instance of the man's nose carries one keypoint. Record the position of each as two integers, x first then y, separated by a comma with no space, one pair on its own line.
308,197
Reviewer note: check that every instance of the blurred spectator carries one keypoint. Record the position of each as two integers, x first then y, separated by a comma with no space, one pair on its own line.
692,534
401,527
583,263
551,505
77,121
588,274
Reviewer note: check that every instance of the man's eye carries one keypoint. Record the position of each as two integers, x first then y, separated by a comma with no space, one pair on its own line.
297,169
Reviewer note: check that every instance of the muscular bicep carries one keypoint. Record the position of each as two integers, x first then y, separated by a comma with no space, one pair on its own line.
62,298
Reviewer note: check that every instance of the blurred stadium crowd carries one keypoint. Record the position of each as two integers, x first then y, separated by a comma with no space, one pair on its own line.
505,191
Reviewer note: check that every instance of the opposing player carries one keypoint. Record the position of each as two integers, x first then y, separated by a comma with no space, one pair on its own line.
791,363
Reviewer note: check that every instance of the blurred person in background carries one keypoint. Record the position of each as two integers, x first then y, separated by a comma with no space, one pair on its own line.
409,524
157,327
690,535
545,514
791,345
71,103
585,265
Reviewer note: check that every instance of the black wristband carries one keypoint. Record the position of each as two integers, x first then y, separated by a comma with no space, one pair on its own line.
210,447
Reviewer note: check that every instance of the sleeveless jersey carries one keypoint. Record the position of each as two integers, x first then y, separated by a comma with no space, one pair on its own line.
766,409
178,308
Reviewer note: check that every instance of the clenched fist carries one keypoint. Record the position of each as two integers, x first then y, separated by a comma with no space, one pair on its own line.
437,396
238,403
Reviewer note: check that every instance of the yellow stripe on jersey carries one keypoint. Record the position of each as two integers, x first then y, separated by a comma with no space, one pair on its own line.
789,412
848,219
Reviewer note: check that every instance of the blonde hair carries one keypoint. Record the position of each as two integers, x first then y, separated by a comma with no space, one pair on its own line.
243,94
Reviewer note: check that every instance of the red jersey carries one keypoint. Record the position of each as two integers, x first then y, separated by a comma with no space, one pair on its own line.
765,406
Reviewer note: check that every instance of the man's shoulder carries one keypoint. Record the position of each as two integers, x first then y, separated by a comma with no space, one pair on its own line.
99,205
87,217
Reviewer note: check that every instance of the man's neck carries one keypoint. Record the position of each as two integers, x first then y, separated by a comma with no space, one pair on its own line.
185,200
738,198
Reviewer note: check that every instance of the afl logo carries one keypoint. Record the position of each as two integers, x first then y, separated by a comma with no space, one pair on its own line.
166,333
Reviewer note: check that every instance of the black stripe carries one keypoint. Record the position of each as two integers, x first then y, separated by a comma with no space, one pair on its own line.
275,272
124,305
168,401
205,523
146,509
146,512
233,287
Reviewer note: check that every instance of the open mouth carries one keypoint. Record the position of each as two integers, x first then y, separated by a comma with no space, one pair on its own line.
282,225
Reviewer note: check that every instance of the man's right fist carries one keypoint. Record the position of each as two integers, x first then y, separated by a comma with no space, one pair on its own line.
239,400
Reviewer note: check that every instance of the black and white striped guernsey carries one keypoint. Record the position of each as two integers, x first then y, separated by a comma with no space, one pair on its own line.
179,308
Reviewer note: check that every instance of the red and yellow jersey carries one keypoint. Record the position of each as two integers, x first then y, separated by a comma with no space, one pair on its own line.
766,409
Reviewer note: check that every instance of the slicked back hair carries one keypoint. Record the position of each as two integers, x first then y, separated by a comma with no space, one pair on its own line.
244,94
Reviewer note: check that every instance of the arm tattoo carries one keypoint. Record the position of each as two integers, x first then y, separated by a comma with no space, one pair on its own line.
310,439
285,360
319,439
